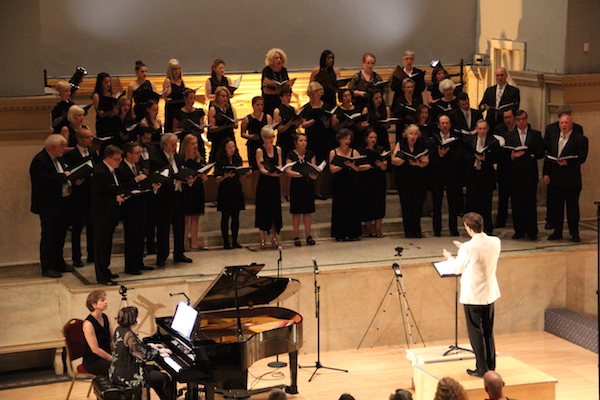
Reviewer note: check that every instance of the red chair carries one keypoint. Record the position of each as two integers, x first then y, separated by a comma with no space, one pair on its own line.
75,344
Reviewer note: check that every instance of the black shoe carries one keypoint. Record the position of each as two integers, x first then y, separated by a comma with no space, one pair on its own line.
160,263
310,241
114,276
548,226
78,264
555,236
226,246
67,268
146,268
183,259
474,373
51,273
108,283
297,242
454,233
437,234
90,260
532,237
236,245
517,236
418,235
134,272
576,238
409,235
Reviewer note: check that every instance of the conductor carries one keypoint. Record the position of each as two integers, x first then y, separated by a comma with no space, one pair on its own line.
477,261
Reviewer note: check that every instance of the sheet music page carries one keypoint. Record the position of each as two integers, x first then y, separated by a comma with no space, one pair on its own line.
445,268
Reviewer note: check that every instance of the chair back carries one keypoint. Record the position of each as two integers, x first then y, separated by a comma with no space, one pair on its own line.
74,339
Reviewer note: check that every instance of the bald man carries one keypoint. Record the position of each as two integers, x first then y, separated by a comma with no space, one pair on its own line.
499,97
494,386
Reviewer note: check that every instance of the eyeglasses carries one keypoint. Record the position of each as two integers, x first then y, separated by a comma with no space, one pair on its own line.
117,159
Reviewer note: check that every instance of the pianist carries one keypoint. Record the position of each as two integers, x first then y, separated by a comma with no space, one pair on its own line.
128,366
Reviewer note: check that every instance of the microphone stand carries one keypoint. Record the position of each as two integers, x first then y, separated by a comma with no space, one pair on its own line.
277,363
318,364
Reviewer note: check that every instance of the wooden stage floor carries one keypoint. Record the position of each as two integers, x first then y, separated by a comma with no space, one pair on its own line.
374,373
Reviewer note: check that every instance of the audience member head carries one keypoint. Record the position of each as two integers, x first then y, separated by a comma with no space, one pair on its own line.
401,394
55,145
346,396
103,83
75,114
217,68
327,59
474,221
173,69
93,298
127,317
494,385
450,389
277,394
276,58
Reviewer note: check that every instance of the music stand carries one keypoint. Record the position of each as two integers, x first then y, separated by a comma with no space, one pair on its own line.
277,363
446,269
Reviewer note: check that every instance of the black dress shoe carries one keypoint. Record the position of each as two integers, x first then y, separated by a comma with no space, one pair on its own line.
134,272
474,373
236,245
576,238
226,246
146,268
108,283
548,226
160,263
78,264
437,234
532,237
90,260
67,268
182,258
555,236
51,273
454,233
418,235
518,236
114,276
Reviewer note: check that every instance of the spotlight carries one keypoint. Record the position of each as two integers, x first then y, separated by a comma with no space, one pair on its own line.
435,63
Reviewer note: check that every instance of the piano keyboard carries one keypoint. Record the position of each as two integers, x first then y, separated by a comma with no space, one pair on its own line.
172,363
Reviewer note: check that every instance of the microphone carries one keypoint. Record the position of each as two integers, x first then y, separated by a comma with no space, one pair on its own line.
315,266
280,247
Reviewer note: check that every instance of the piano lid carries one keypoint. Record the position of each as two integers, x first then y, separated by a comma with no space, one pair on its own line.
252,289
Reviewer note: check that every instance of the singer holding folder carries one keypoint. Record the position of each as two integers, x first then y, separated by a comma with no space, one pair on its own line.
477,261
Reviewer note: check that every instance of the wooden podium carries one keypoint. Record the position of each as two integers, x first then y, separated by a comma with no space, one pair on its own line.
522,381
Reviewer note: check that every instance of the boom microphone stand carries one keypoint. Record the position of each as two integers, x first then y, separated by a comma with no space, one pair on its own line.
277,363
318,364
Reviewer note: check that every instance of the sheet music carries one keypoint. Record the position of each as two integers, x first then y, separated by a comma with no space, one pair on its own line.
445,268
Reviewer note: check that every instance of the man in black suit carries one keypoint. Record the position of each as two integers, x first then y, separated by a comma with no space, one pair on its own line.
562,173
81,198
106,199
169,198
481,153
503,170
524,175
498,97
553,129
133,211
445,163
464,117
148,151
50,199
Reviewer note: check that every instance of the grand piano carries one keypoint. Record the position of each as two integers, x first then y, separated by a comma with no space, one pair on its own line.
226,331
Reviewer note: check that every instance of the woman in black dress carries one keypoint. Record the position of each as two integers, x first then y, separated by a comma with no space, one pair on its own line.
410,157
345,213
75,117
363,83
188,119
193,190
104,104
250,130
405,104
433,93
128,367
217,78
222,121
151,122
173,87
121,123
447,102
327,75
60,110
141,90
316,121
372,185
345,117
422,121
378,112
274,77
268,202
96,332
230,197
288,121
302,189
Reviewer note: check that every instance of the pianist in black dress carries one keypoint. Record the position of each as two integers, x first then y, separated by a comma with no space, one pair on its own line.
327,75
447,102
378,112
97,353
411,178
220,117
128,366
104,103
364,81
141,90
274,71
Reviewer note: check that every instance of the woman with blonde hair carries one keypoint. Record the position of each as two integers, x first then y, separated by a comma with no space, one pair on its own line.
273,75
193,191
173,87
121,120
75,117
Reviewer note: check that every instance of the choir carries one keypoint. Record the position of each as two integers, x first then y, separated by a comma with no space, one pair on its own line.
442,145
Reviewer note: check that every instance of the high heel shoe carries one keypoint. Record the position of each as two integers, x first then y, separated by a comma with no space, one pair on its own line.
275,242
310,241
297,242
263,245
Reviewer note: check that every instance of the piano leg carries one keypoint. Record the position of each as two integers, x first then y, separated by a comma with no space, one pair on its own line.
293,388
209,392
192,391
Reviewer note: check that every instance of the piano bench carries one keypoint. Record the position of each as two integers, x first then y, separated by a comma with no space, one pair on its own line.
105,390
